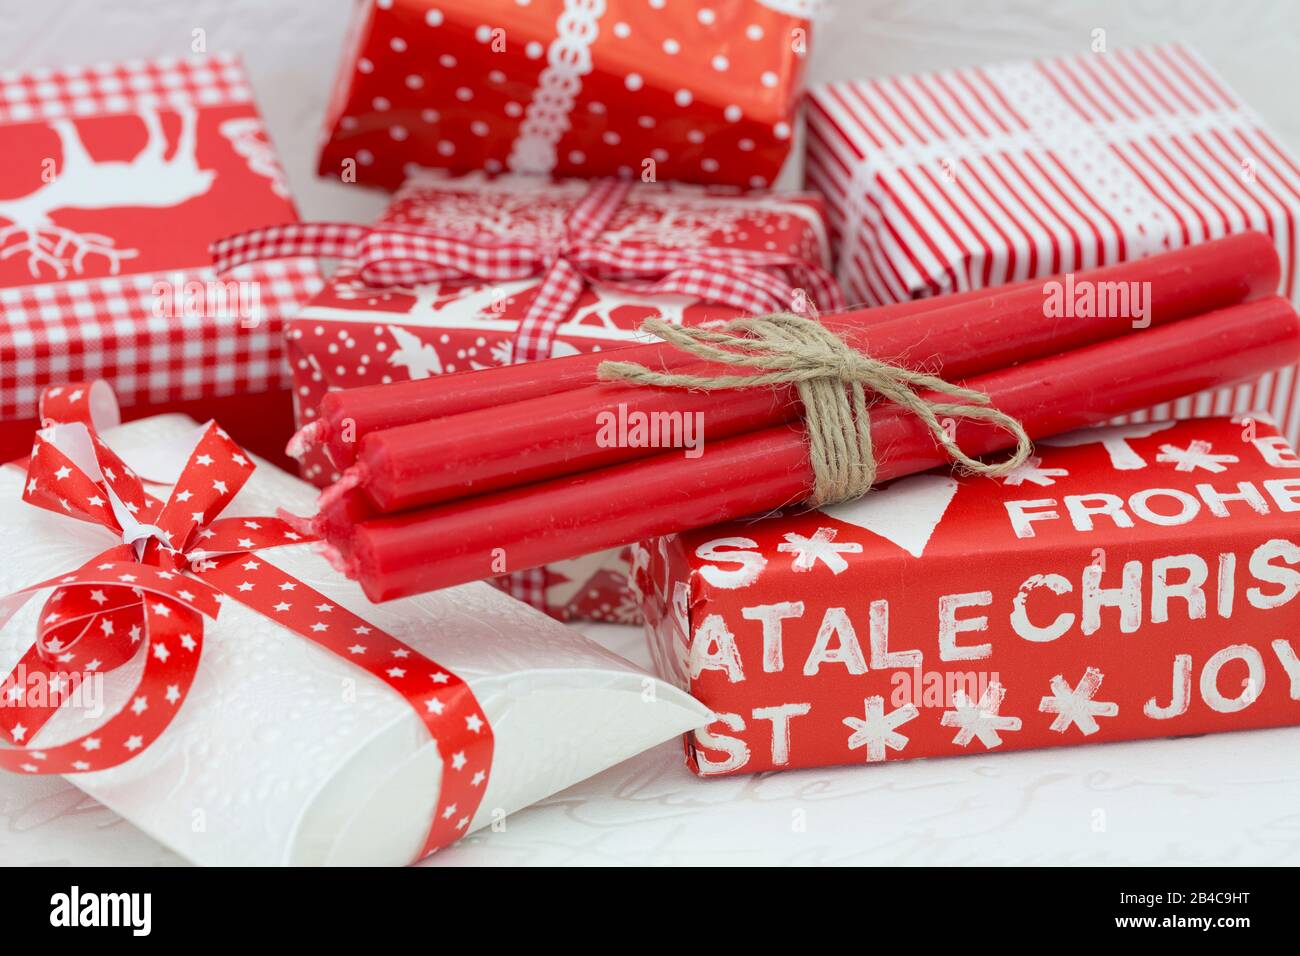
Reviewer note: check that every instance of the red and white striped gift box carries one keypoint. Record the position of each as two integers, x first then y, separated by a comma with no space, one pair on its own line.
115,180
975,177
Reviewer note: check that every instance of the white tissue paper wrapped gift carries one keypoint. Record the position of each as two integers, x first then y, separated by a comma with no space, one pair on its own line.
284,753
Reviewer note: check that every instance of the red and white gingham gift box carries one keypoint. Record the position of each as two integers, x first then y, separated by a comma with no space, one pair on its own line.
115,180
353,334
974,177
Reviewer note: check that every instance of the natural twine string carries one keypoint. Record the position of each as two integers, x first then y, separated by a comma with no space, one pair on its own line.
832,379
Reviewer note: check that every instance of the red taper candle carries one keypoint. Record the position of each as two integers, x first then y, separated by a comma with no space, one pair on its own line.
514,444
1183,282
345,417
525,527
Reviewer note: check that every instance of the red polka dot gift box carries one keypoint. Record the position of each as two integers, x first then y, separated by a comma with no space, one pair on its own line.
980,176
1126,582
115,180
692,90
587,263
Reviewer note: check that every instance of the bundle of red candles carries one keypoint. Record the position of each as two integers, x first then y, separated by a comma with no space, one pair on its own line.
461,477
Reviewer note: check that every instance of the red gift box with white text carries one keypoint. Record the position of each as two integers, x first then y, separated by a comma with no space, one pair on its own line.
1133,581
976,177
115,180
667,90
353,334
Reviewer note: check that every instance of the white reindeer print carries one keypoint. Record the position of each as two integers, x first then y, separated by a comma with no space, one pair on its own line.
148,180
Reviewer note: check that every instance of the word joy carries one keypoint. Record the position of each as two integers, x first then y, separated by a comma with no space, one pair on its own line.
75,908
636,429
1068,298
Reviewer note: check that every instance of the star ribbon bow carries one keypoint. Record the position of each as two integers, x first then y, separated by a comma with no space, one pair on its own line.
170,566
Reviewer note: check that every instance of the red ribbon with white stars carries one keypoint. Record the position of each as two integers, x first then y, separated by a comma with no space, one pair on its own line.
172,565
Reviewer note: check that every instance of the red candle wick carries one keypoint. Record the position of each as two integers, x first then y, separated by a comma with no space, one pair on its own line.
305,439
351,478
307,527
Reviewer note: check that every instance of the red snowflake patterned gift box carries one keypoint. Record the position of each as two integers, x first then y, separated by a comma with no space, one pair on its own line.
355,334
975,177
115,179
696,92
1132,581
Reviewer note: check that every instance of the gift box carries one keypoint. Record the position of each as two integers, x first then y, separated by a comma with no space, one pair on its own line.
116,179
572,87
1126,582
244,704
669,240
975,177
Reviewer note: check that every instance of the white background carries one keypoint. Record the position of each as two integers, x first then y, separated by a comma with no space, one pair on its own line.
291,47
1228,799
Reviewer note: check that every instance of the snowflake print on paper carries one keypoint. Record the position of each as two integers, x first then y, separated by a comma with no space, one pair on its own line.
980,720
503,352
1033,472
878,730
514,207
476,206
820,547
1196,455
1075,705
676,219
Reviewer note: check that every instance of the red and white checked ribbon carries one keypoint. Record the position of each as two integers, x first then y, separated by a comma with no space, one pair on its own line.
406,255
173,564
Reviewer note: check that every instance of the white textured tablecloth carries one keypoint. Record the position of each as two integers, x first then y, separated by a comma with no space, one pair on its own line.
1231,798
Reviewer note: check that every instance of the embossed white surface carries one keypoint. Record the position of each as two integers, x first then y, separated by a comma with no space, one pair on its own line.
284,752
1228,798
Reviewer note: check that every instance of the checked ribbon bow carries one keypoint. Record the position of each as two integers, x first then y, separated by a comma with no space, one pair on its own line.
168,567
394,254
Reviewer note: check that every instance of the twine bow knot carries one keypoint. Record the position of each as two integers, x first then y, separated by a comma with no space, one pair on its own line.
833,380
